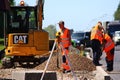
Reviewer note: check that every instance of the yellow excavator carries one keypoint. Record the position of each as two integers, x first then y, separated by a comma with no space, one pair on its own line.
25,40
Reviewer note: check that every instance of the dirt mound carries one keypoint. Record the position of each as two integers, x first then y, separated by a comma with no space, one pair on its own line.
79,63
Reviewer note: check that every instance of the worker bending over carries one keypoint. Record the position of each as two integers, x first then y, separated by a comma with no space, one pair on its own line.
109,50
64,40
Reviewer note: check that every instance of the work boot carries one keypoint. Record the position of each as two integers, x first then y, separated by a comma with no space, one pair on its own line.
109,70
66,71
98,64
109,65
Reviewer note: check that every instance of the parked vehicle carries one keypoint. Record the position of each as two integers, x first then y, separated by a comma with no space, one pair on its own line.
111,27
87,39
116,37
79,38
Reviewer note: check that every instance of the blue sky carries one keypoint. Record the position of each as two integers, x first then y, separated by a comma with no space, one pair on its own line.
77,14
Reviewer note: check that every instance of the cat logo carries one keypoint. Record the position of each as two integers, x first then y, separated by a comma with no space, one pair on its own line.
20,39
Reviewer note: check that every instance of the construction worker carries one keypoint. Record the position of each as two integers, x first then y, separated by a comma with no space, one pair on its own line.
109,50
65,41
96,42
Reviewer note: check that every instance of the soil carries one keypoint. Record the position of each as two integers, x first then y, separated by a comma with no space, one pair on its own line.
79,63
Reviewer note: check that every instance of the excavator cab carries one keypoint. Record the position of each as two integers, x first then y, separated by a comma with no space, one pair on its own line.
21,19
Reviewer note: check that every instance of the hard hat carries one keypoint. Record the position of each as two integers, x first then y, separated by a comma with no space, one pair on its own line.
100,22
61,22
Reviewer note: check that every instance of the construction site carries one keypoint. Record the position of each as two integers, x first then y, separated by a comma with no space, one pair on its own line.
30,54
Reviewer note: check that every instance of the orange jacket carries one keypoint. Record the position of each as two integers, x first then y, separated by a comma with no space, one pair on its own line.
109,43
66,38
96,34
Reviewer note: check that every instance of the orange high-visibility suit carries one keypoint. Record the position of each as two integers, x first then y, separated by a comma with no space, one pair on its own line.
65,42
109,50
96,41
96,34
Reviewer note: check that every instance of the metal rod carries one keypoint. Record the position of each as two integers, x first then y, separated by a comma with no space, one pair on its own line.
74,76
48,61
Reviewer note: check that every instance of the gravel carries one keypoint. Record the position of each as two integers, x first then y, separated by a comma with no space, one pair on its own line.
79,63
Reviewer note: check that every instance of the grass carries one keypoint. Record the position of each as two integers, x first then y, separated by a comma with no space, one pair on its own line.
1,43
1,46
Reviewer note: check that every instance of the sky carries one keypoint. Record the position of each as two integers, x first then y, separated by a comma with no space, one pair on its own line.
79,15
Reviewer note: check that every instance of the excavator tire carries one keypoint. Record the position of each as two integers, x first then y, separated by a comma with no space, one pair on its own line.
31,62
7,62
27,64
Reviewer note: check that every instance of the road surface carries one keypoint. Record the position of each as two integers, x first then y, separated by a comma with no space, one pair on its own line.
115,74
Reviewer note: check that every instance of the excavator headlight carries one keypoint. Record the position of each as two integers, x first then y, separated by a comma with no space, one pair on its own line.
22,3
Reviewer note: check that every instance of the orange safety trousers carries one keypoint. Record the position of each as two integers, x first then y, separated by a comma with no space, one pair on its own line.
109,56
65,64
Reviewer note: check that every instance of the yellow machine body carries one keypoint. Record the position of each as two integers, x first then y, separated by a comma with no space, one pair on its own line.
28,44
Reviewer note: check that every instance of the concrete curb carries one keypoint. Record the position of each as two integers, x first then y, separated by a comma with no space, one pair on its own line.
33,75
100,73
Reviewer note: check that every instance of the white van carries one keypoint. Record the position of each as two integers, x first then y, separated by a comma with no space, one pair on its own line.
116,37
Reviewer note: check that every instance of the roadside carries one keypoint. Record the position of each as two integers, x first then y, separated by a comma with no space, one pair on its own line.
1,46
115,74
1,43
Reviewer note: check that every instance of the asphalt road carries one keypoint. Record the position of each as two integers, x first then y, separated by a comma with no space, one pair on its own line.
115,74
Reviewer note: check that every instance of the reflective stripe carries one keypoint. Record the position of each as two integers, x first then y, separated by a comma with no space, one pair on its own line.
65,38
99,33
67,42
108,44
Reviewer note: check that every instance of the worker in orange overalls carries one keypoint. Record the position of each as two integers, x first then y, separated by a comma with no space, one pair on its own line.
65,41
109,50
96,42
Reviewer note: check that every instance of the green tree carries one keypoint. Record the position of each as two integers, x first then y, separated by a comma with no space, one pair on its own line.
117,13
51,29
12,2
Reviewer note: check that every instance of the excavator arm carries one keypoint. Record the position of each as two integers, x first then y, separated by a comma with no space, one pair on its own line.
40,6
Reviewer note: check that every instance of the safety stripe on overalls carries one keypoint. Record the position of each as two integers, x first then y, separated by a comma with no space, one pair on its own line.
65,40
108,44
